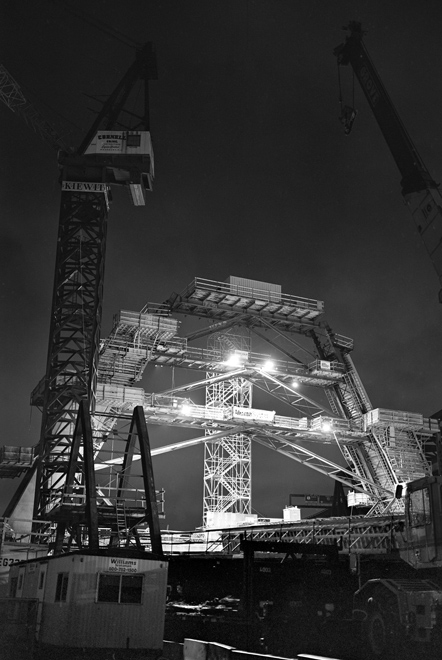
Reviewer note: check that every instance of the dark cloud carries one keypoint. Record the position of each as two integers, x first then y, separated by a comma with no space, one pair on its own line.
254,178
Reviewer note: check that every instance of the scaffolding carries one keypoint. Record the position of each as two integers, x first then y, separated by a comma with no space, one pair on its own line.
381,448
228,461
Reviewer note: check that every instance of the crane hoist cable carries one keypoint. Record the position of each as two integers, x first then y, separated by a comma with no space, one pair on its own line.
99,25
348,112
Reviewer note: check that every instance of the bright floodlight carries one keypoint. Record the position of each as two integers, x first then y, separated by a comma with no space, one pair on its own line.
233,360
269,365
295,384
236,358
326,426
185,409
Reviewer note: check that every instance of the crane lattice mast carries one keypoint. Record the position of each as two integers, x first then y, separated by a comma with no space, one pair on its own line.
104,158
117,150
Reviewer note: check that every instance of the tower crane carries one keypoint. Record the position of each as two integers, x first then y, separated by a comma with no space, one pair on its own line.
420,191
13,97
116,151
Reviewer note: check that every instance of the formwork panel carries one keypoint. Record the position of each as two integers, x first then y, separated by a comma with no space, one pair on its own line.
254,288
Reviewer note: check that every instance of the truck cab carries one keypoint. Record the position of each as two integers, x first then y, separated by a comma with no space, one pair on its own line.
419,540
394,613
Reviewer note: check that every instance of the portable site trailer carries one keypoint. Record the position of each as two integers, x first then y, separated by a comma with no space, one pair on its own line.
91,601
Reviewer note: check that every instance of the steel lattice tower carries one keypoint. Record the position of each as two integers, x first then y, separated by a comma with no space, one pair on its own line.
86,176
227,462
71,372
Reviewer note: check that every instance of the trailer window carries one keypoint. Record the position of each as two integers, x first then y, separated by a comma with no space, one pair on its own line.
419,507
61,589
131,588
108,588
120,588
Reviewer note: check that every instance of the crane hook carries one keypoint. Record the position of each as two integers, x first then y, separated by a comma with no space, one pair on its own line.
347,118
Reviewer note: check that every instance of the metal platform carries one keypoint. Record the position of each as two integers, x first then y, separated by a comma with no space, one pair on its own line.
225,300
380,448
15,460
358,535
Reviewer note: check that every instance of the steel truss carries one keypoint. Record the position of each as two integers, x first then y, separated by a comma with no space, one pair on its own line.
108,508
371,467
71,372
287,393
358,535
376,459
289,446
74,338
306,457
228,461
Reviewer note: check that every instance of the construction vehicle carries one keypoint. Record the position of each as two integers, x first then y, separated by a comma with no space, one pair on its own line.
411,608
395,610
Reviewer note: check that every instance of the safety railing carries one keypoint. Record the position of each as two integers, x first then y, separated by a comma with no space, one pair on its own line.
256,293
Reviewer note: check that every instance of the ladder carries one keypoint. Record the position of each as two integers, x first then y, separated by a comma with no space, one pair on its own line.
120,510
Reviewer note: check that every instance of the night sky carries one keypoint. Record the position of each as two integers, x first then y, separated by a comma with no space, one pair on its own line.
254,178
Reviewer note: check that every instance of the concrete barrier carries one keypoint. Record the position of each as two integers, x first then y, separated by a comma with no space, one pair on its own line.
309,656
194,649
173,650
217,651
247,655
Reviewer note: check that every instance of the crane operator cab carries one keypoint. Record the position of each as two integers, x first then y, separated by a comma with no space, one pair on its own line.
420,540
129,158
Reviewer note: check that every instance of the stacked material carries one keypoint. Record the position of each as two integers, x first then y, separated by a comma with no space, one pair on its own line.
15,460
126,352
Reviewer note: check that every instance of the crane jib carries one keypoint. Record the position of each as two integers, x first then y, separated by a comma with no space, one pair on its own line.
373,94
419,189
